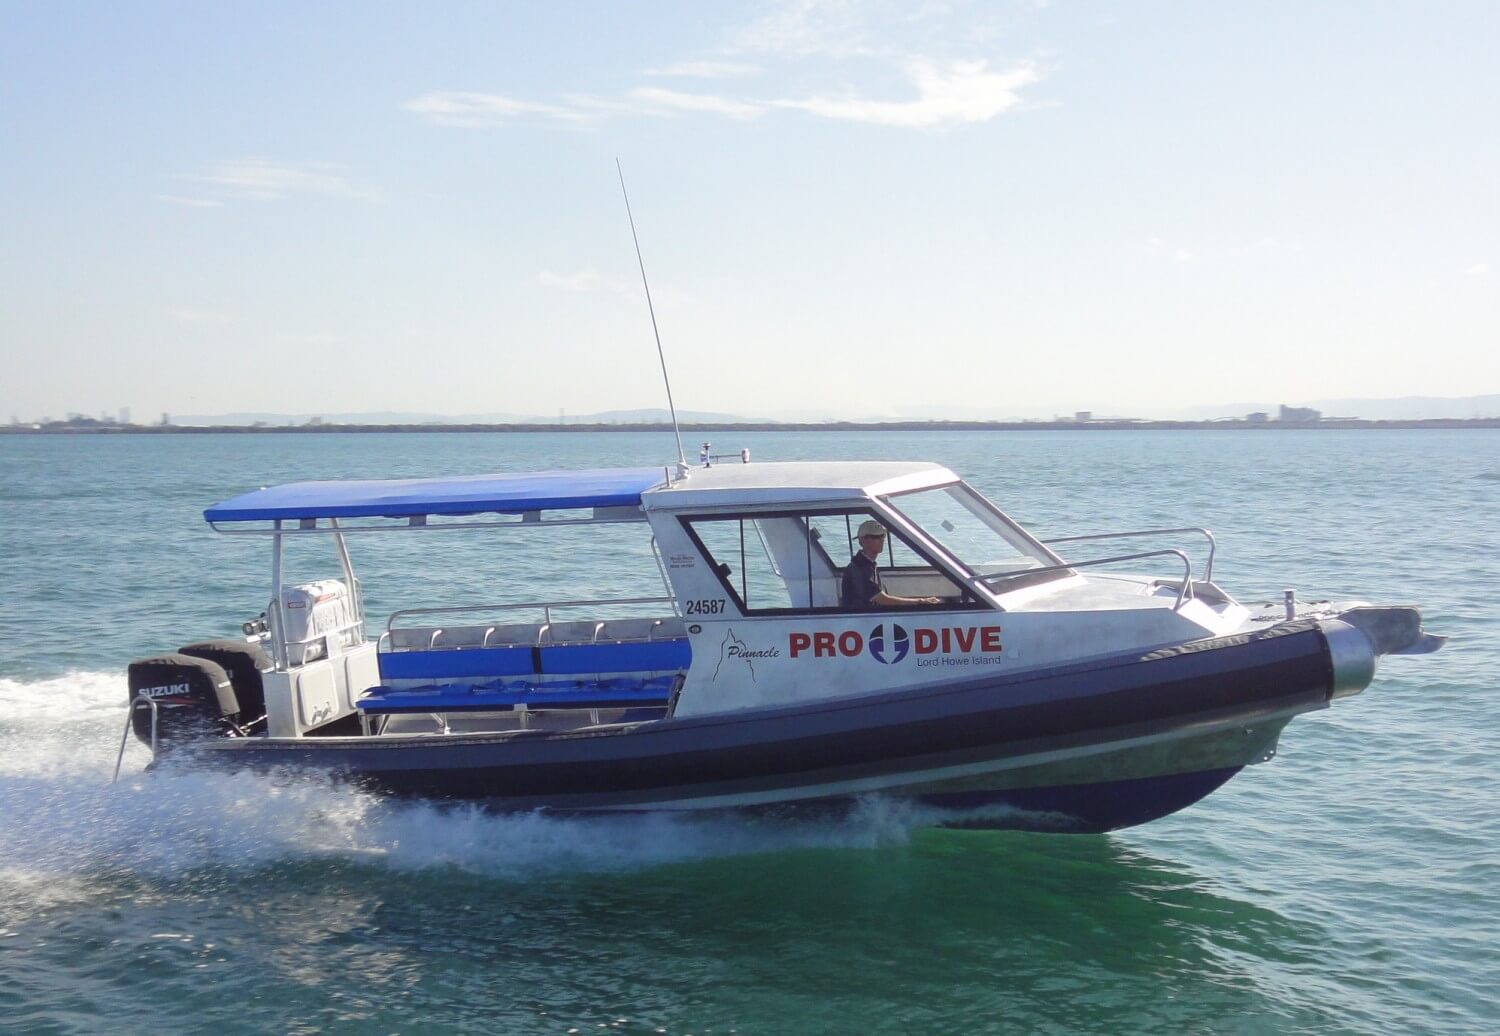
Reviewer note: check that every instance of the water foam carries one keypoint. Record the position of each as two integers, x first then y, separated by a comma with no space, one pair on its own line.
61,725
64,823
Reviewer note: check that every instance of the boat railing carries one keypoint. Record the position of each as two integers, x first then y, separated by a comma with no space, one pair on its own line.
1208,568
137,702
286,653
1184,592
549,630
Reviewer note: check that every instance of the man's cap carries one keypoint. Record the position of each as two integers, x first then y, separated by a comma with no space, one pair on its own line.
871,528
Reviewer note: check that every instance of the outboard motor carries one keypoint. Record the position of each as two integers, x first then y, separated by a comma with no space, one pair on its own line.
194,699
245,663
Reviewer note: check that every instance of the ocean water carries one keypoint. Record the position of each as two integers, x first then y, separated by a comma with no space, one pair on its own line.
1350,885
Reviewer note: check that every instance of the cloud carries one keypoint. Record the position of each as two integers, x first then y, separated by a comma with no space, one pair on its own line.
842,29
1178,253
195,203
961,92
957,93
264,180
931,48
706,70
583,281
461,108
488,110
689,102
199,316
802,28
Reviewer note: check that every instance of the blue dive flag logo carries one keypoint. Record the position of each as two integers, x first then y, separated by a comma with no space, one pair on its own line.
900,644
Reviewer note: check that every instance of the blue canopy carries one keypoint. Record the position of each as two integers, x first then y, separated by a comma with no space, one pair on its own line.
469,494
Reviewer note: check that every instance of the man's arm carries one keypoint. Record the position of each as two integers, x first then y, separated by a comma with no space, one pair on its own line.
886,600
860,588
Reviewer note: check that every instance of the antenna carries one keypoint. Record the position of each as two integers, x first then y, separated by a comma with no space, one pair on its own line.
682,465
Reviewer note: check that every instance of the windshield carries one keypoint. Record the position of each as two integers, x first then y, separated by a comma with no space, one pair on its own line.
969,528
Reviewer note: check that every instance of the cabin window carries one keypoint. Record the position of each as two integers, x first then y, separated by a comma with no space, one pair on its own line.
794,561
737,549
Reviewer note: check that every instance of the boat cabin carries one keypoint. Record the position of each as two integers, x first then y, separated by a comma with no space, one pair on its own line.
752,612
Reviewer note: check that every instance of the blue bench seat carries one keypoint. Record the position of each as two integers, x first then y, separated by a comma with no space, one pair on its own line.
485,664
503,695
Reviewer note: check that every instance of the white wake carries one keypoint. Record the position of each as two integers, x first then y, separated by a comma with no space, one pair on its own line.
61,820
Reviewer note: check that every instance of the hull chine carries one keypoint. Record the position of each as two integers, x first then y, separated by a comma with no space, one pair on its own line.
1078,808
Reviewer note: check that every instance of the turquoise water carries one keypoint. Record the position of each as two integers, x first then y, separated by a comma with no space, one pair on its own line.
1350,885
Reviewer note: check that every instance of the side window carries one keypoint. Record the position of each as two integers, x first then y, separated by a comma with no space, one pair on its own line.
834,534
796,561
837,534
738,550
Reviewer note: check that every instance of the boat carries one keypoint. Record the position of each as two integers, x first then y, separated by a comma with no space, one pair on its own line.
993,681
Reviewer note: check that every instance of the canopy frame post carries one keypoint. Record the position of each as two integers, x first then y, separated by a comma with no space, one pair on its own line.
278,634
356,593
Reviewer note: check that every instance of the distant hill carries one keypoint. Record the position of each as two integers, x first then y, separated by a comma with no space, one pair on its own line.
1411,408
373,417
1407,408
647,415
652,414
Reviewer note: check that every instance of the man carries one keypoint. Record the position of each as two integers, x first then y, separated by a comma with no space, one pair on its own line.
861,586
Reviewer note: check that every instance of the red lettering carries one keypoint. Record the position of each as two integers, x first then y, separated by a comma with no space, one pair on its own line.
965,638
850,642
989,639
798,643
947,640
823,644
925,641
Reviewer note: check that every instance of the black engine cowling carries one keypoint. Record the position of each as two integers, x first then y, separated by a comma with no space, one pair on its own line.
245,662
194,699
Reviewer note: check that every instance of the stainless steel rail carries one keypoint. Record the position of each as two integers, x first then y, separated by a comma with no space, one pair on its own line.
1183,592
281,648
545,607
1208,569
125,737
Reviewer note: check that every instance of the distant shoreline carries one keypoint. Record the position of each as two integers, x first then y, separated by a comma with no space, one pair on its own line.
101,428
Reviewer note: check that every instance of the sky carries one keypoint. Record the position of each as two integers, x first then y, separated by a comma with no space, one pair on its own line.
1000,209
